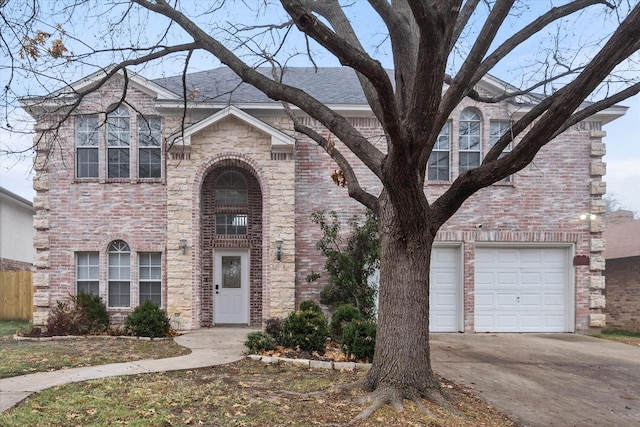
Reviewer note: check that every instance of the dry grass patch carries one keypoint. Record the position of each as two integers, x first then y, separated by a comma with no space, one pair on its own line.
27,357
245,393
625,337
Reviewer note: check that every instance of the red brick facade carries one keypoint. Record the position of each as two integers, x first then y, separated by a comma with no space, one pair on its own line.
539,207
623,293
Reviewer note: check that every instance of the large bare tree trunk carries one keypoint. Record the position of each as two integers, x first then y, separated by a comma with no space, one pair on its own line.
402,365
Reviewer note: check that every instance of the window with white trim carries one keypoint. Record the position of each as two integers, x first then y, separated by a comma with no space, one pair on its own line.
119,274
150,277
438,168
469,140
149,147
88,273
87,152
118,142
497,128
231,203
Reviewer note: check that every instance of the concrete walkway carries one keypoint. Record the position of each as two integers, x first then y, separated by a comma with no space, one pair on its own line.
209,347
543,380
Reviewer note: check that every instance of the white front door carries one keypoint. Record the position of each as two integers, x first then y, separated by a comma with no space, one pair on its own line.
231,286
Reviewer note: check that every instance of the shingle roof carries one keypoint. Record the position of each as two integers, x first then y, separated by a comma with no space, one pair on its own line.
330,85
622,240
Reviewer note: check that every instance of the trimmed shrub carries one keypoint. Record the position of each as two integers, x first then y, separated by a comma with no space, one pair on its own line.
273,327
257,342
83,314
341,316
147,320
305,330
95,311
359,339
310,306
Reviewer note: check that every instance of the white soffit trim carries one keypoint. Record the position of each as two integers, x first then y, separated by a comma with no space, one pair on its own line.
605,116
278,138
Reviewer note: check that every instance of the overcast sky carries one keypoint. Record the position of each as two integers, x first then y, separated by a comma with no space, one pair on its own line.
622,141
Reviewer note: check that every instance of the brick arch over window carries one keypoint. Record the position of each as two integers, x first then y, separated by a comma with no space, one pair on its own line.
211,240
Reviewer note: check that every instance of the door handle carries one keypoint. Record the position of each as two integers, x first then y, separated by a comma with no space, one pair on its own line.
217,287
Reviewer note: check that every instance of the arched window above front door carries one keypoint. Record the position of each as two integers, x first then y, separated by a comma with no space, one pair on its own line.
231,189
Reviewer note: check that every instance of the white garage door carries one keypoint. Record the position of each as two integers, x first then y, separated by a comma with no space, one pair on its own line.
444,290
521,290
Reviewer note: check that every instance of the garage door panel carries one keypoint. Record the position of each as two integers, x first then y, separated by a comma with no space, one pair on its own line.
507,300
521,289
444,290
531,301
506,278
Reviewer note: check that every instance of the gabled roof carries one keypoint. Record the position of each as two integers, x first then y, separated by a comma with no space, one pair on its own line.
69,93
622,240
278,138
330,85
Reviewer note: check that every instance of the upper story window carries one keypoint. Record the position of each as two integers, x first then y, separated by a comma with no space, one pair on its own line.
87,157
438,169
149,146
469,140
118,142
496,130
231,189
119,274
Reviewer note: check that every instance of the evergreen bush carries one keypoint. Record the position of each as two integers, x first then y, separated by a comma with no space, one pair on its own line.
359,339
258,342
341,316
273,327
147,320
83,314
310,305
305,330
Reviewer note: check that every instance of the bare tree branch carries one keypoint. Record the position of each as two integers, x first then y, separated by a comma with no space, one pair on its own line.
338,125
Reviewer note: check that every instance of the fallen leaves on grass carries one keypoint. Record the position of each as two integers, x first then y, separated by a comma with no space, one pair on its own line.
245,393
26,357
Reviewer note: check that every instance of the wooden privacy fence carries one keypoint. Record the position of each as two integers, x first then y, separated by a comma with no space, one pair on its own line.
16,295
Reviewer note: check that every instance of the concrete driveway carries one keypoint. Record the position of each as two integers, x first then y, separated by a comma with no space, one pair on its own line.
545,379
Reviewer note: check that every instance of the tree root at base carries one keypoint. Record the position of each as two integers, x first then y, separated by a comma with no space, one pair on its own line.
395,398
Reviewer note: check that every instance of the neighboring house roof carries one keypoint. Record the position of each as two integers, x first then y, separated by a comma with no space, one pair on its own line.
18,199
622,240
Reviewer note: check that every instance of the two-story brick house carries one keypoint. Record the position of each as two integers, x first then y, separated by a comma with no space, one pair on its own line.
206,210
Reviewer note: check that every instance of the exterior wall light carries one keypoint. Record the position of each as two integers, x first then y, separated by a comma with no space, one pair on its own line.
279,248
183,245
590,217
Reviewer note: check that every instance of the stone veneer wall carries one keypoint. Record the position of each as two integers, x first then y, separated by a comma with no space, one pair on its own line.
228,142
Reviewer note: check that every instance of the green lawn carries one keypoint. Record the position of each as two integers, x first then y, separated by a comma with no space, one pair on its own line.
9,327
